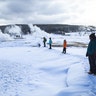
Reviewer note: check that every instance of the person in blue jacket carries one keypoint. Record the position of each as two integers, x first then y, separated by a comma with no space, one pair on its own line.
50,43
91,53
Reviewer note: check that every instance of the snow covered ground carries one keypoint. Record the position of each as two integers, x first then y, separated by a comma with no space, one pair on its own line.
29,70
38,71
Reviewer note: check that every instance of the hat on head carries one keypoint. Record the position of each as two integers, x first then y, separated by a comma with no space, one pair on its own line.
92,35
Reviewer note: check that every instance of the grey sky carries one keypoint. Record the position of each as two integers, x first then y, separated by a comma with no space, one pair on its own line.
48,12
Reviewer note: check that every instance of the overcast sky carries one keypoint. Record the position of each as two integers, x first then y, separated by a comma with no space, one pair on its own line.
81,12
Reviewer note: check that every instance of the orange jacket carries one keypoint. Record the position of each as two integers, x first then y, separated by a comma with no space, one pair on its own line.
65,44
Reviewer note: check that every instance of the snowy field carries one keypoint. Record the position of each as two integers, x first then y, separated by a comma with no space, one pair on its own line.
29,70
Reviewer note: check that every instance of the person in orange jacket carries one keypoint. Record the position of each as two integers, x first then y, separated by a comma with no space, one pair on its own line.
64,46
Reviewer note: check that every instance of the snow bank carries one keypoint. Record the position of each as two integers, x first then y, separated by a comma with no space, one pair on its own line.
78,82
77,76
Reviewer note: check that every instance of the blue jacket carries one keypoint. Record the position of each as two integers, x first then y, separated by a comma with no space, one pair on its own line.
91,50
50,41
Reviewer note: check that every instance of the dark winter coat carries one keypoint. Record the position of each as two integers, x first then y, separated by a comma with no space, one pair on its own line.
44,39
91,50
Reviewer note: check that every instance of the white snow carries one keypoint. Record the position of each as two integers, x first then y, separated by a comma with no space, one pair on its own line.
29,70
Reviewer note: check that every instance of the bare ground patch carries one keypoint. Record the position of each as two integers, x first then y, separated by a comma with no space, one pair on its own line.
75,44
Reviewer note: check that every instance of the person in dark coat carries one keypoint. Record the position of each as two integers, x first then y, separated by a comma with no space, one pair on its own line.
44,41
91,53
50,43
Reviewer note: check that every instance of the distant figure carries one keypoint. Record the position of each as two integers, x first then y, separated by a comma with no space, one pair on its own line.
44,41
64,46
39,44
50,43
91,53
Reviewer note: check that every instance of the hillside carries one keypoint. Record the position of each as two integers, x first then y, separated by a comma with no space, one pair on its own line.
53,28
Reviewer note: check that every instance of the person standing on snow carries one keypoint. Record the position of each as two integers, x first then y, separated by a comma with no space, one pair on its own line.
64,46
50,43
44,41
91,53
